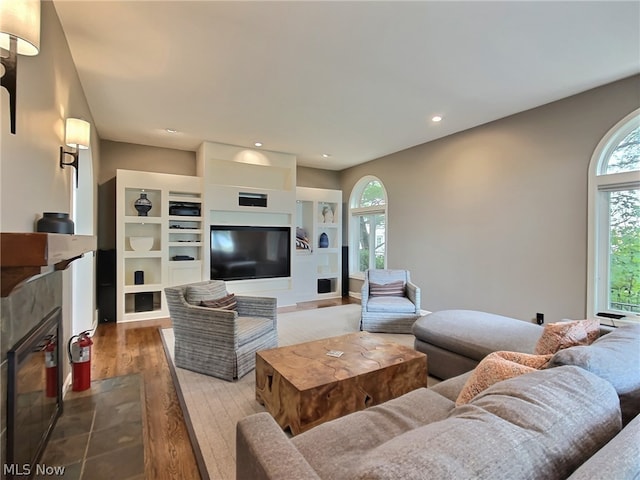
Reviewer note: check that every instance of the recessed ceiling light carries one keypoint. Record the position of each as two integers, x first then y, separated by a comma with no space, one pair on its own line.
258,144
325,155
171,130
436,118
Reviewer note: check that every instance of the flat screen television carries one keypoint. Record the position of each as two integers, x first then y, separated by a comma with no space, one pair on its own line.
246,252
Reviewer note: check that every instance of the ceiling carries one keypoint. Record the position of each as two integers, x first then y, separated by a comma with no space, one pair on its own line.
354,80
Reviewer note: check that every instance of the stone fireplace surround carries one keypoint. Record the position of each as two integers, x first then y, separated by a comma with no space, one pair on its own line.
31,283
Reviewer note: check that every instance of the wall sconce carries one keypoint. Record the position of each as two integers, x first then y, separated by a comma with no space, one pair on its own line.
77,134
19,34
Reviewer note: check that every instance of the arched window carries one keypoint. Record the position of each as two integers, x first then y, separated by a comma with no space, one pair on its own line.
368,227
614,224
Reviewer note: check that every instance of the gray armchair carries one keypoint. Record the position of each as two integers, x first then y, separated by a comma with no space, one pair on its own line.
390,301
217,342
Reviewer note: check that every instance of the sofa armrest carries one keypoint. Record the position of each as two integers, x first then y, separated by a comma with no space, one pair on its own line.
263,451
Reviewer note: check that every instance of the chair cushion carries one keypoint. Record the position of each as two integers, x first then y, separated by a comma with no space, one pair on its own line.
251,328
382,276
390,304
194,294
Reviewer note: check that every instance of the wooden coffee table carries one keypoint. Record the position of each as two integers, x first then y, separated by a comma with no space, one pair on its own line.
302,386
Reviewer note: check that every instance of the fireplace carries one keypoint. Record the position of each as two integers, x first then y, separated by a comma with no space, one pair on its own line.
34,390
31,301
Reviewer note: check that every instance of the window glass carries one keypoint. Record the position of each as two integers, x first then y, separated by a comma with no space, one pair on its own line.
624,250
368,226
626,156
372,194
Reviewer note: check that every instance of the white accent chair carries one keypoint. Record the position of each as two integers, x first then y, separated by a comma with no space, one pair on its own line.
389,313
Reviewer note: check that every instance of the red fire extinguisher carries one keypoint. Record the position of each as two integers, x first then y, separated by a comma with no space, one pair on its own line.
51,367
80,358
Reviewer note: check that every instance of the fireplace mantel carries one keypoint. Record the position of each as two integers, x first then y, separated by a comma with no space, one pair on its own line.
24,255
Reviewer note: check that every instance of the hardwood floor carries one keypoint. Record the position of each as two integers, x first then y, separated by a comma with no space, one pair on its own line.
136,347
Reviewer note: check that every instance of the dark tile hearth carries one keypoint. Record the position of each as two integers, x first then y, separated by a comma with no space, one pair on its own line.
100,433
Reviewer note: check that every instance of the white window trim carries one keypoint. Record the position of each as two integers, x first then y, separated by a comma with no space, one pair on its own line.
597,256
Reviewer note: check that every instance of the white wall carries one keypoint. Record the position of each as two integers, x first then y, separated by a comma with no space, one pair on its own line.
495,218
31,180
49,91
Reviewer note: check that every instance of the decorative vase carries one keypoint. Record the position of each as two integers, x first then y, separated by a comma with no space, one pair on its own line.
142,205
327,214
55,222
324,240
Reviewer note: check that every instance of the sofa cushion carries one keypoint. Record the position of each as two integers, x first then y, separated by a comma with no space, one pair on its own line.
334,447
451,387
390,304
614,357
618,459
560,335
498,366
194,294
476,334
540,425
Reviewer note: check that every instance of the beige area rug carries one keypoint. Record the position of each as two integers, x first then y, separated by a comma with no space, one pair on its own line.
214,406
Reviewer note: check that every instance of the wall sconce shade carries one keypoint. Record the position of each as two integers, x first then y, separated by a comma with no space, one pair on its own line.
19,34
20,19
77,135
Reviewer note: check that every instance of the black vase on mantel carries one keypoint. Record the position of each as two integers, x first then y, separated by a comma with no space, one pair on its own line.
142,205
55,222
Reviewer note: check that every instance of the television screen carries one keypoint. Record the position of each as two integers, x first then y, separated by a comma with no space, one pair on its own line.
244,252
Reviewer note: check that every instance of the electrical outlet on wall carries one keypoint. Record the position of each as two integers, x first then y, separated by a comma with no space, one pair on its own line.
539,318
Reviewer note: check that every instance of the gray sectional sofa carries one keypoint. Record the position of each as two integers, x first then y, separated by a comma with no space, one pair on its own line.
455,341
561,422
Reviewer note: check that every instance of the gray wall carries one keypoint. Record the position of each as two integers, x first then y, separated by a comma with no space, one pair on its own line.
317,178
131,156
495,218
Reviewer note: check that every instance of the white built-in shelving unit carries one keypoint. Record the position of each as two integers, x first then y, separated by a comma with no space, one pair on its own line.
174,237
318,269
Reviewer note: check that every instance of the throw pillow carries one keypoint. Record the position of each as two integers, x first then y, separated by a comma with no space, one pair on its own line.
195,294
391,289
560,335
498,366
228,302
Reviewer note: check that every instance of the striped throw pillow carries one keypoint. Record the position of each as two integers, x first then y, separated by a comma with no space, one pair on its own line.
225,303
391,289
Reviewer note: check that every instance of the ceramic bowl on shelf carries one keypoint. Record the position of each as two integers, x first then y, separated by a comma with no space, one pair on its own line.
141,244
